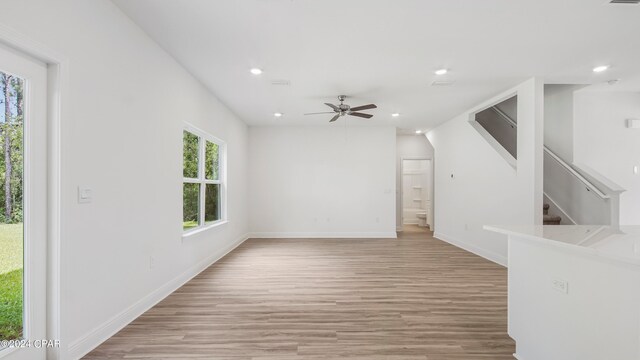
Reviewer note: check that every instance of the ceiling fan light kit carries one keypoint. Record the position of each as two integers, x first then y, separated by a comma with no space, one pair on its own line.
344,109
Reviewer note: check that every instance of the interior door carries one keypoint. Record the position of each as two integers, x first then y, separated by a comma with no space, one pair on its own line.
23,206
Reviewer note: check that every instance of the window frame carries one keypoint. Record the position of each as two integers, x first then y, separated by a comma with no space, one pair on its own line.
202,181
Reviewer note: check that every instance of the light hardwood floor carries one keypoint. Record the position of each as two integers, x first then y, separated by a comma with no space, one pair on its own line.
300,299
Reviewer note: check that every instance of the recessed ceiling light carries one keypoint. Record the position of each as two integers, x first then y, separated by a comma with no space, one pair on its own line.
418,131
256,71
442,71
601,68
395,114
278,114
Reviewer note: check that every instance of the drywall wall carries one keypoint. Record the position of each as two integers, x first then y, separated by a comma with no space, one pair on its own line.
333,181
411,147
510,108
604,143
124,103
503,131
577,202
558,119
551,324
566,195
476,186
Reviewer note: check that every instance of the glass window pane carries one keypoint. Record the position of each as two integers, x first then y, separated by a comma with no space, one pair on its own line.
190,155
12,104
212,164
212,203
190,208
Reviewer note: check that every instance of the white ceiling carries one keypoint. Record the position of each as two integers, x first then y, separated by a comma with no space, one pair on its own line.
385,51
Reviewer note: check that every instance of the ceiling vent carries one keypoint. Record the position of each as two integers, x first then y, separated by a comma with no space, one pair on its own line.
442,83
631,2
281,82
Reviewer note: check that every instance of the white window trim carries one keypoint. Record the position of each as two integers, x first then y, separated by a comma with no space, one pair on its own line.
222,180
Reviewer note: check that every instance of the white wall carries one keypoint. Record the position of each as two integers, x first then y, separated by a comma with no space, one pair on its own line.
597,318
510,108
566,193
410,146
603,143
500,129
485,189
124,102
328,181
558,119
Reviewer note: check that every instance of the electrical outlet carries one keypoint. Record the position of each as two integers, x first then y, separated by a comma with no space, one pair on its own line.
560,285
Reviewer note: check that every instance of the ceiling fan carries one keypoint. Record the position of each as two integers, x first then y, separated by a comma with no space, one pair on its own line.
344,109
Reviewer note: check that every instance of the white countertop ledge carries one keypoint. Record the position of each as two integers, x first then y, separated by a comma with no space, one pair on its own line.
620,244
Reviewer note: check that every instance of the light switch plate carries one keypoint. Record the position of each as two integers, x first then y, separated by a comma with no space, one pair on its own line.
85,195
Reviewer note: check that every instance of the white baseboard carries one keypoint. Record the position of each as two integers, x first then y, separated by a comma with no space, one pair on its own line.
97,336
323,235
489,255
518,357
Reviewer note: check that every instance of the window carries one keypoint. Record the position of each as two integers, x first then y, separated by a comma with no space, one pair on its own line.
203,188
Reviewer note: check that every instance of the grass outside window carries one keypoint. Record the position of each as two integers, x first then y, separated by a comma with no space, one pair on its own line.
11,265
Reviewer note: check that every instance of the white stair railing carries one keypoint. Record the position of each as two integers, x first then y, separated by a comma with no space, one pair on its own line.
572,192
573,172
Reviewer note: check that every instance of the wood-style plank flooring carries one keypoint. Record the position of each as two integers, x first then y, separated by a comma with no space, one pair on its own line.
300,299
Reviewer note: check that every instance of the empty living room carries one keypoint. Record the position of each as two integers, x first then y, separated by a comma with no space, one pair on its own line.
318,180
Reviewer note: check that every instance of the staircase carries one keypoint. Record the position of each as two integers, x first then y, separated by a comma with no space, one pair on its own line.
581,197
549,219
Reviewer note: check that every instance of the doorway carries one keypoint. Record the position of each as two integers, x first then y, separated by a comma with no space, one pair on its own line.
416,194
23,205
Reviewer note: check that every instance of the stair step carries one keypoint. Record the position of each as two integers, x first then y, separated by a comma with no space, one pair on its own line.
551,220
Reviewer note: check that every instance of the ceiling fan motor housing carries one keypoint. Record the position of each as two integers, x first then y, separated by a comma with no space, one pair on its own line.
344,108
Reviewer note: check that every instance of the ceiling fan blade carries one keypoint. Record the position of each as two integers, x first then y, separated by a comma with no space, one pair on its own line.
325,112
335,108
335,118
366,116
363,107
